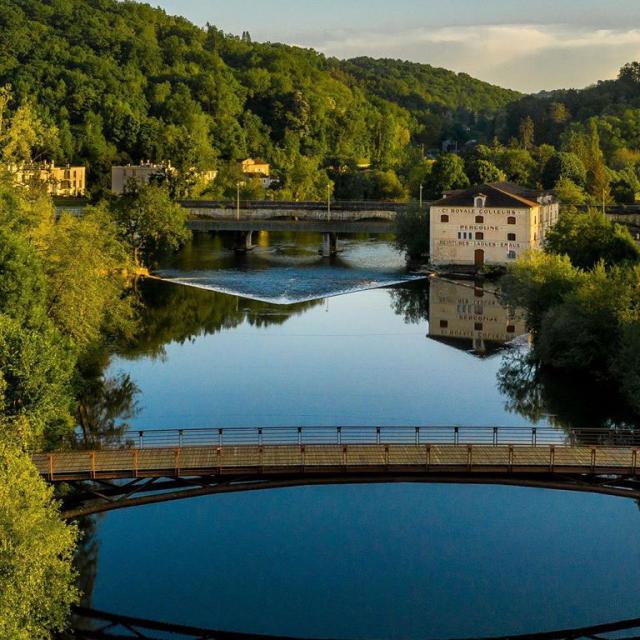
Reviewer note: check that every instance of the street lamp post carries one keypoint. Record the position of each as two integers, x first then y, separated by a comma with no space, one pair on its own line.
329,201
421,188
238,200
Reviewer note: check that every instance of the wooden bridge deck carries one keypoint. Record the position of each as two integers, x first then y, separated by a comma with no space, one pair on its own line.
272,460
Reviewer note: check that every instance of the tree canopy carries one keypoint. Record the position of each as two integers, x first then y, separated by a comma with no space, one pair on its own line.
118,82
36,548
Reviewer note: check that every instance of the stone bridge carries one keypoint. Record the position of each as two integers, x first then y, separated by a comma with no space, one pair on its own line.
329,219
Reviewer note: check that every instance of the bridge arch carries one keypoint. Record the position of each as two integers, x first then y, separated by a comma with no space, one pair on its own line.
106,497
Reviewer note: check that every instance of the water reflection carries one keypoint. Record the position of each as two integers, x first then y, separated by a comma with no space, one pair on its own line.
464,316
369,562
471,317
568,401
173,313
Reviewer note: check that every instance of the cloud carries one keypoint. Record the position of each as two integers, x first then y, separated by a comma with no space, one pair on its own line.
529,57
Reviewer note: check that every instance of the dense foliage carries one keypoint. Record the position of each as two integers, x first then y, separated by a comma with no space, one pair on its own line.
582,298
120,82
444,105
36,547
589,238
148,221
600,125
62,296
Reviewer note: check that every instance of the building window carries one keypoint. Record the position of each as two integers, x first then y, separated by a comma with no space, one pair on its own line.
479,219
511,220
478,292
511,237
444,324
511,329
478,326
444,218
479,235
479,201
512,255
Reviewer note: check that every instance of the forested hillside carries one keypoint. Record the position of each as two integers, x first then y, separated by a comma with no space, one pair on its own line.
444,104
122,81
613,105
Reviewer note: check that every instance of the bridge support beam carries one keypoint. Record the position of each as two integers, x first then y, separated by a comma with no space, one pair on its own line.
243,241
329,244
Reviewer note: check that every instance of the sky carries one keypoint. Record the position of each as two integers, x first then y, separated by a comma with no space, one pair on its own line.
529,45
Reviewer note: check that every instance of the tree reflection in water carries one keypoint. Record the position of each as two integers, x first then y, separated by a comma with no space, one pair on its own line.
411,301
536,393
568,401
179,313
104,411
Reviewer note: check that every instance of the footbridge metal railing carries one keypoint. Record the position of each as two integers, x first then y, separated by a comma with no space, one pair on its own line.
418,435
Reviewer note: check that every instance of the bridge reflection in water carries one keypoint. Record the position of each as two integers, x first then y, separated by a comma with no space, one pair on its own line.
147,467
97,625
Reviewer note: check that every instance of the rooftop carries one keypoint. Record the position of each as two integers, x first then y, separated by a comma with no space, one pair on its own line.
497,194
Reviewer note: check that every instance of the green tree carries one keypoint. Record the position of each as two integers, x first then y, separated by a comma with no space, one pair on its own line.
36,549
590,238
36,369
563,165
585,324
527,132
624,191
85,264
22,282
539,281
568,192
626,366
517,164
412,232
484,172
447,174
149,221
25,137
387,186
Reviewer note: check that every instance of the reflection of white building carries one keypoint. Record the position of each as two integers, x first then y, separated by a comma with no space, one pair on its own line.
468,317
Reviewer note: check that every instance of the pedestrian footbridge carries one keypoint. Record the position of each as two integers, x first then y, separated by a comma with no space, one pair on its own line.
143,467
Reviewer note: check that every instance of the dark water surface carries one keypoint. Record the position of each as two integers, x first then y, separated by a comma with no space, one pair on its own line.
396,561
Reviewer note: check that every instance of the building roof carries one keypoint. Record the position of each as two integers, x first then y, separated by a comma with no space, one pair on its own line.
498,195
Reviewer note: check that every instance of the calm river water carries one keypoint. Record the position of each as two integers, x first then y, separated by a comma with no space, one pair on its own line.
397,561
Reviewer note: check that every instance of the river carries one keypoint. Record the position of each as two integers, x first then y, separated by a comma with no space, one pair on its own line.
284,337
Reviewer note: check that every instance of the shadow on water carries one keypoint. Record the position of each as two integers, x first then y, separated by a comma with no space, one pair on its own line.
90,624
